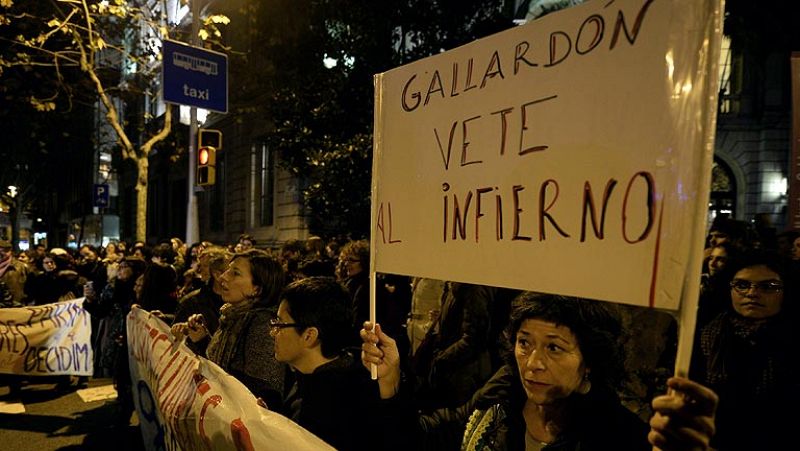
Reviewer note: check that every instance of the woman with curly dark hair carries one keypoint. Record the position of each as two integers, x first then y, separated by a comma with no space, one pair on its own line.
556,392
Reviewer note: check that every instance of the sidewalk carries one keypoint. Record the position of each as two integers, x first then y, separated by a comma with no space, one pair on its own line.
45,418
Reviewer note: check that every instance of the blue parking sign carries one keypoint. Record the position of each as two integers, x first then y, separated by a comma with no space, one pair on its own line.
194,76
100,195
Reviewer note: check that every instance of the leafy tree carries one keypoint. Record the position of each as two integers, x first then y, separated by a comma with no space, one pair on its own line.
114,45
323,115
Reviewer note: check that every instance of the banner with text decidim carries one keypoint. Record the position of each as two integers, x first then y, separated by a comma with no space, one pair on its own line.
46,340
570,155
185,402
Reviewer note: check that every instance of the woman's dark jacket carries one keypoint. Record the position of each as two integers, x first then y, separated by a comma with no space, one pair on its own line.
111,346
754,369
334,403
495,421
48,287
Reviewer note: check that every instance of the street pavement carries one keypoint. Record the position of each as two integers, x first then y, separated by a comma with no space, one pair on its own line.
46,418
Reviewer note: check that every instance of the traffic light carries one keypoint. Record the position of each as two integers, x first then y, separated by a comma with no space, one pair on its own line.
209,138
206,166
208,143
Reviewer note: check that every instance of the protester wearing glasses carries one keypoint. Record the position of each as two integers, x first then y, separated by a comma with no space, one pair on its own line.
242,345
332,396
748,356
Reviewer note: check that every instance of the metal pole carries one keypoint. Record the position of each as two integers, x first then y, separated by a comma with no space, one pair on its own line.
192,223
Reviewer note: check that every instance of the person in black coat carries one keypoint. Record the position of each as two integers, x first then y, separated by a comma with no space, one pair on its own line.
56,281
332,394
748,355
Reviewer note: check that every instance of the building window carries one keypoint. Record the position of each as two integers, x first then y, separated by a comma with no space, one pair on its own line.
730,78
266,192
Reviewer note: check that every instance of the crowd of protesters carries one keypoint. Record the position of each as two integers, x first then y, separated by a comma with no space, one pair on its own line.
287,323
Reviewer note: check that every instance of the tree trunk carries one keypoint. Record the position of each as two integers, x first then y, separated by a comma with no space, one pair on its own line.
142,163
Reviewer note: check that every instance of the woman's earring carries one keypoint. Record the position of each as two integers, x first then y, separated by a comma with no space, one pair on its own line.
585,385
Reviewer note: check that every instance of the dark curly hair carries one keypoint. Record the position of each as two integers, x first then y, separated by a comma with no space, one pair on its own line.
596,327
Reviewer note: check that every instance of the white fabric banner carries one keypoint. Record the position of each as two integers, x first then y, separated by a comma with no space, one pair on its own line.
186,402
570,155
46,340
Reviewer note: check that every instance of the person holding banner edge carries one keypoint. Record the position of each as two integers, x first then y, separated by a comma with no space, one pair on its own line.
556,392
242,345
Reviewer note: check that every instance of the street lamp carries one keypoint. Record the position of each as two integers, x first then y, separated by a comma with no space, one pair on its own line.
12,191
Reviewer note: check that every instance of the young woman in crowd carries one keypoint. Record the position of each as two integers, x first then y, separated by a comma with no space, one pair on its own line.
714,289
111,345
242,345
55,280
748,355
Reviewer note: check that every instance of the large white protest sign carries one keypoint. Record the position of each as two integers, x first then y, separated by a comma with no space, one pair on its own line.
570,155
46,340
186,402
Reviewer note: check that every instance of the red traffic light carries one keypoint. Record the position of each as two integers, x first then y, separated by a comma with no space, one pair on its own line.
203,156
206,160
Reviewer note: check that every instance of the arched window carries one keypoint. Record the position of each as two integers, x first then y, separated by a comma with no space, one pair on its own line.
722,201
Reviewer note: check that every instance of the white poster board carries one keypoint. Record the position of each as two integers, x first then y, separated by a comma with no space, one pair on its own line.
186,402
46,340
570,155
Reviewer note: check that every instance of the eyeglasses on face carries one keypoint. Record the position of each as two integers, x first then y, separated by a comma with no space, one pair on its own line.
275,324
742,286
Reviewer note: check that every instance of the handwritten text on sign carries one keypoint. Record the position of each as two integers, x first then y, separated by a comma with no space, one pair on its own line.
46,340
187,402
562,156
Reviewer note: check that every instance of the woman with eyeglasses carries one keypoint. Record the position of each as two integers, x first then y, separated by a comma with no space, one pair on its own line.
748,355
242,345
332,395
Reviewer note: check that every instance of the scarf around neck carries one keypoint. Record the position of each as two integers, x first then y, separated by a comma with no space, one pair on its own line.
234,321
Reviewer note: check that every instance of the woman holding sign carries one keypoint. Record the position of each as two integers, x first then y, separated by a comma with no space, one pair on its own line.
556,392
